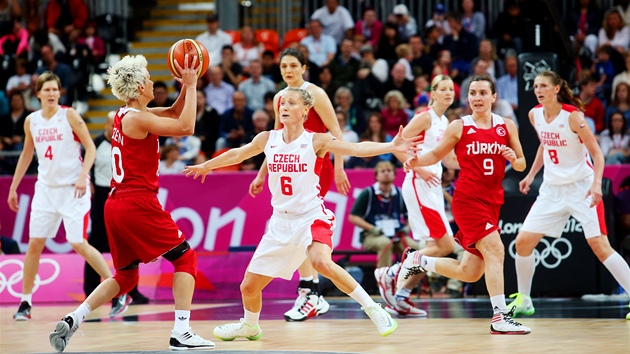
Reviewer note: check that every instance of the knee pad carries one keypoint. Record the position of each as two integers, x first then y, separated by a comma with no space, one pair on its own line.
186,263
126,279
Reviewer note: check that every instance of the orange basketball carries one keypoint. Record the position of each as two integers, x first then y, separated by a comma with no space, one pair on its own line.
193,49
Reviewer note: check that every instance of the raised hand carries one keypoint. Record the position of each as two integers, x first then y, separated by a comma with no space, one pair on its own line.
402,144
197,170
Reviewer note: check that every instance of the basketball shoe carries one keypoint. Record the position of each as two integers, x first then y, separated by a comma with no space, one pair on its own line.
322,306
120,305
232,331
502,323
188,340
404,307
522,305
64,330
24,312
409,265
305,306
386,286
383,320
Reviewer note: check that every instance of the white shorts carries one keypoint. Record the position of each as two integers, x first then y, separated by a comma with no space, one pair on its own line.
284,247
425,206
554,205
51,205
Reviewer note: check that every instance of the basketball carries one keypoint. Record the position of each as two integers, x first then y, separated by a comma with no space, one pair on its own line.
193,49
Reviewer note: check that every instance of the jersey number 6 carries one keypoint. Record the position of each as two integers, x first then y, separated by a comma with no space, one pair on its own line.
285,184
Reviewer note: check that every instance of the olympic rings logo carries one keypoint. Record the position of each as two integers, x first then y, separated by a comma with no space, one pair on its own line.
7,282
551,249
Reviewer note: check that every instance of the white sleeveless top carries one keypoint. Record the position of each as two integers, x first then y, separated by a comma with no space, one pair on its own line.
429,140
293,173
304,85
58,149
566,158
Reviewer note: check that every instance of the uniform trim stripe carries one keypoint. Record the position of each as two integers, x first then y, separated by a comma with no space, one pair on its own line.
431,216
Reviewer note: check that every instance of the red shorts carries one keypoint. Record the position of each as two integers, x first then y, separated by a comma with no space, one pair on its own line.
326,176
475,220
138,228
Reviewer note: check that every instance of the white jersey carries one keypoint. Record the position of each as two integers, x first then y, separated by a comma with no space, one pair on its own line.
429,140
565,156
293,173
58,149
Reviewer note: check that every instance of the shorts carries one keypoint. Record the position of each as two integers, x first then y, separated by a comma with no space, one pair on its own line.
554,205
51,205
476,220
326,176
285,245
425,207
138,229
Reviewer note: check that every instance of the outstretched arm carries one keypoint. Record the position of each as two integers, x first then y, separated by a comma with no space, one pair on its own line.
325,142
451,136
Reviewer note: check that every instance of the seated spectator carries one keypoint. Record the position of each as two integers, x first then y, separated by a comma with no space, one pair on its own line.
256,86
621,103
421,63
369,26
394,113
357,42
348,134
247,50
615,140
170,163
372,74
64,16
92,40
388,42
438,24
78,57
583,23
214,39
260,122
218,92
509,28
21,81
488,52
381,214
605,71
232,70
406,24
63,71
344,102
326,82
507,85
462,44
473,21
398,81
373,132
15,43
12,129
271,69
593,107
614,32
422,95
622,77
344,67
480,68
335,20
40,38
207,124
403,52
443,66
321,47
188,146
312,69
236,123
432,45
160,95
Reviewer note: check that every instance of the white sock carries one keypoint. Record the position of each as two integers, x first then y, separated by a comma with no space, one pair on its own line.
619,269
498,302
402,294
428,263
251,318
82,311
182,321
525,268
362,297
28,298
310,278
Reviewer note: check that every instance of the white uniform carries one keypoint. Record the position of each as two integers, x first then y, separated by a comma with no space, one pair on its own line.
425,203
60,163
568,174
299,216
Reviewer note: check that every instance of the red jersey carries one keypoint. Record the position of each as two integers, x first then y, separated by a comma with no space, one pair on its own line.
313,121
134,161
480,156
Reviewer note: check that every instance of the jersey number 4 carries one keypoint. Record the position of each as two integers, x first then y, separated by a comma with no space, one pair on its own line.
48,154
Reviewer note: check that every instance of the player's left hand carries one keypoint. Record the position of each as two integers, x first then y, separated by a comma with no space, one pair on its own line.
410,163
509,154
595,192
341,181
80,188
197,170
406,145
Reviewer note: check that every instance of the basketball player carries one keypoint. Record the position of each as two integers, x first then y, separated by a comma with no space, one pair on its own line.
424,198
320,119
300,227
482,142
139,230
61,190
572,185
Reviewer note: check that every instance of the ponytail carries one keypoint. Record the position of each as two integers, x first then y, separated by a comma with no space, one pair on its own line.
565,95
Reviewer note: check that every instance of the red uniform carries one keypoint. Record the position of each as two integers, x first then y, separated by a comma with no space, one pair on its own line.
479,194
137,226
315,124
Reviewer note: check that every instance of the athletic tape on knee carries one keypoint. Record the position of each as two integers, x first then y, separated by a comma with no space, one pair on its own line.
187,263
126,279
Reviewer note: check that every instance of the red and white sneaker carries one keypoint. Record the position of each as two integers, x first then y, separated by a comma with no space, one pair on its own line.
407,308
409,265
304,308
386,286
502,323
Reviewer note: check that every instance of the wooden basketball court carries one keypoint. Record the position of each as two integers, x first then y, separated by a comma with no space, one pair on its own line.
453,326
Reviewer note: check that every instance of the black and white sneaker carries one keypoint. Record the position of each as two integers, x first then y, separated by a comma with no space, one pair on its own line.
120,305
188,340
24,312
64,329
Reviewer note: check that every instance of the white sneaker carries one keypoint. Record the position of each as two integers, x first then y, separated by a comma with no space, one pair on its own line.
304,308
383,320
522,305
407,308
502,323
386,286
64,330
410,265
322,306
188,341
232,331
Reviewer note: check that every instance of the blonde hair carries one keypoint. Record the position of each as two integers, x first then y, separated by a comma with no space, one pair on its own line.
44,78
398,96
306,97
126,75
435,82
